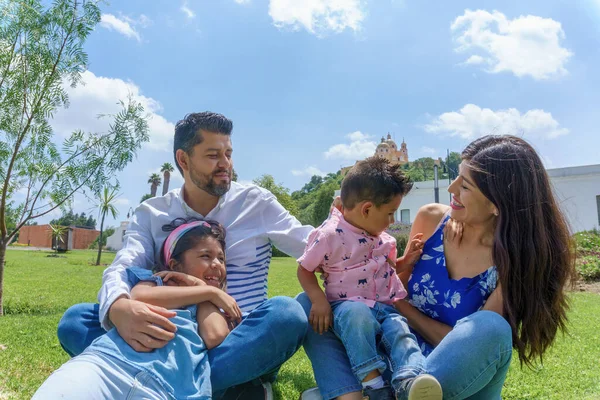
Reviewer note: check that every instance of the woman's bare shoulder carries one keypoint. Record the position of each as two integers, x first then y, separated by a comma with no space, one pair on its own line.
427,219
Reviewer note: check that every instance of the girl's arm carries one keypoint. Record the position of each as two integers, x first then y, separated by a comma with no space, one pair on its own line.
432,331
173,296
213,326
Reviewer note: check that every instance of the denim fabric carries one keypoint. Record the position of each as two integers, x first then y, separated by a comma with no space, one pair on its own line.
93,376
368,331
470,362
268,336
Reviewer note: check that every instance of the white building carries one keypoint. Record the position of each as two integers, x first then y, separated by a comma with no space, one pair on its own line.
577,190
115,241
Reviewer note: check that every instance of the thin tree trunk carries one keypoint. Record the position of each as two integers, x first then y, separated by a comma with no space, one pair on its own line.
100,240
3,245
153,188
167,178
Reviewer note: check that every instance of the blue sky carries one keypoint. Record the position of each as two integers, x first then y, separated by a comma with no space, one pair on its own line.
312,85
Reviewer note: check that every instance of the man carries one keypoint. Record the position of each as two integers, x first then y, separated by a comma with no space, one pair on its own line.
272,329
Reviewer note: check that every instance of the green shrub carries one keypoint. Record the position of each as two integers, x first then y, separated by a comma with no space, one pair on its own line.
588,267
401,241
278,253
587,240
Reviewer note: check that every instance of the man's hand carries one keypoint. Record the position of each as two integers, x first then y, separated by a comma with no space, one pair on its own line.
320,317
414,251
228,304
172,278
143,326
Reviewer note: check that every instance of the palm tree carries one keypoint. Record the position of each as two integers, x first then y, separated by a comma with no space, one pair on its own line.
106,204
166,169
154,182
57,232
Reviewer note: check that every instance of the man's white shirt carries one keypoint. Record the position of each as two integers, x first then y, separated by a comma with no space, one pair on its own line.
253,219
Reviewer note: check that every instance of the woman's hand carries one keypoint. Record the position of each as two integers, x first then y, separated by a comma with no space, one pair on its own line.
172,278
453,232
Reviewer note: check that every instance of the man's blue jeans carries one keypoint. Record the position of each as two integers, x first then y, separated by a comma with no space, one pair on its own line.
366,332
470,362
255,349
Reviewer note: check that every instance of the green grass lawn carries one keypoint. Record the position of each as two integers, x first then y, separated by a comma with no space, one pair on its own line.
38,289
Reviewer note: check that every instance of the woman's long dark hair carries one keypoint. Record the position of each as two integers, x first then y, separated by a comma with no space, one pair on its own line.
532,248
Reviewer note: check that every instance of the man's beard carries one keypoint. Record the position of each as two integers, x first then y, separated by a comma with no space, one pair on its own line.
208,184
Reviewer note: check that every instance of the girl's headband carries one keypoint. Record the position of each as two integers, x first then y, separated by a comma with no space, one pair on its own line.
177,234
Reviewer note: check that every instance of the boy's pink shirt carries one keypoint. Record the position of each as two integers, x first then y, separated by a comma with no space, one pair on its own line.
355,261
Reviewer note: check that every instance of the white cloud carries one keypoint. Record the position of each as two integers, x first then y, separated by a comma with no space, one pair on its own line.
318,16
527,45
122,26
122,201
187,11
308,171
242,1
428,150
472,122
99,95
361,146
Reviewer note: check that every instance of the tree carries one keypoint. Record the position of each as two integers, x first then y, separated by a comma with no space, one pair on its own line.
279,191
70,219
452,163
425,164
106,204
57,232
154,182
166,169
323,202
146,197
42,51
108,232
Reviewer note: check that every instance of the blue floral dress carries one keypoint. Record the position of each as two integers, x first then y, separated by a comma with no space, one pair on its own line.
435,294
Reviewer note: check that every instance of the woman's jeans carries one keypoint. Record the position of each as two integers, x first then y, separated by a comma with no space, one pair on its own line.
470,362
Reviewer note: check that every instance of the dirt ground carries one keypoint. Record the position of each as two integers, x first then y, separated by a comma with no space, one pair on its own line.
593,287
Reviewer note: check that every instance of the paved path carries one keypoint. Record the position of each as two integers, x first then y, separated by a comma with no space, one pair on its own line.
31,248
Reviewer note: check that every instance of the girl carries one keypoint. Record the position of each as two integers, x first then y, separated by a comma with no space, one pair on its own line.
191,283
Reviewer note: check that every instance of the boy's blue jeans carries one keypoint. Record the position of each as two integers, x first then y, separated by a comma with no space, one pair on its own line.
255,349
364,330
470,362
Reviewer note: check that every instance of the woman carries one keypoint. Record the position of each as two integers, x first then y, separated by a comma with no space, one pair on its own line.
500,286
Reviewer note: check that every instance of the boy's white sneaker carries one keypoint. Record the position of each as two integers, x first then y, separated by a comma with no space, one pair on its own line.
424,387
311,394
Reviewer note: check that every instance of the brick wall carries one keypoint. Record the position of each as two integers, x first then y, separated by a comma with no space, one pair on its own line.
36,236
82,238
40,236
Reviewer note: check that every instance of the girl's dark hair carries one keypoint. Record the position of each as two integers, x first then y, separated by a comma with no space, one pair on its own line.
532,247
191,238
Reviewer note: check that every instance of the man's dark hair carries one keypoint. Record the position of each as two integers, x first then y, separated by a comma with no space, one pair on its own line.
187,131
376,180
